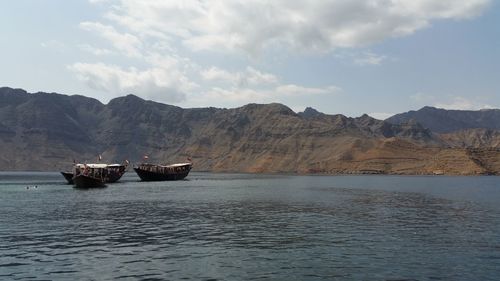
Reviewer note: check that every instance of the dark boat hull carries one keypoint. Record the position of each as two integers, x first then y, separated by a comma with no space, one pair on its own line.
82,181
115,176
68,176
146,175
110,177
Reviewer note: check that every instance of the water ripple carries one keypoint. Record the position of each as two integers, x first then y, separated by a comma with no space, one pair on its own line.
209,229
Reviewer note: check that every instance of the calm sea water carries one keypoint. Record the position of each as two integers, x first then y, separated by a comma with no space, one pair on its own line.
251,227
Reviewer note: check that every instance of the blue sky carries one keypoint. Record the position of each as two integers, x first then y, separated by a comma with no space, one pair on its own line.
342,56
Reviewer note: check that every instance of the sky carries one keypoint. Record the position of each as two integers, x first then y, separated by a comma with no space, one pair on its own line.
351,57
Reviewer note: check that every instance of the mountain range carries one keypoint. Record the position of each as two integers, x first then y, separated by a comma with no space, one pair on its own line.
48,131
446,121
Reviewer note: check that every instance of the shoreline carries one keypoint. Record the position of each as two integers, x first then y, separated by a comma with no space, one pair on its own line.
349,173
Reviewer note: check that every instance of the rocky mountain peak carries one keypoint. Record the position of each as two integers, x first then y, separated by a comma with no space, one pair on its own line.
46,131
13,97
310,112
266,109
447,121
128,99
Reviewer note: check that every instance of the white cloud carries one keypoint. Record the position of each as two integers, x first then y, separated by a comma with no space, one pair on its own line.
165,84
369,58
361,57
279,93
249,77
95,51
256,77
152,34
295,90
126,43
253,85
380,115
462,103
253,26
449,102
217,74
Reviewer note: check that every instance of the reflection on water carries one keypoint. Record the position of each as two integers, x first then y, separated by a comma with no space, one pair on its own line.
240,227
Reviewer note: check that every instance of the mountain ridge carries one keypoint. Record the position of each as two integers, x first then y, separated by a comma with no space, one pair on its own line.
446,121
46,131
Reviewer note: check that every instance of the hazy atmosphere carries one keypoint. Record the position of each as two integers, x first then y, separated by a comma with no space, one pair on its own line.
350,57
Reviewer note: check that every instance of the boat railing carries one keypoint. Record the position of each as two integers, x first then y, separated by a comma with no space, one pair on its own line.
163,169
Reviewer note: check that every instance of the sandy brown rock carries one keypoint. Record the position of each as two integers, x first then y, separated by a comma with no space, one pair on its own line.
47,131
473,138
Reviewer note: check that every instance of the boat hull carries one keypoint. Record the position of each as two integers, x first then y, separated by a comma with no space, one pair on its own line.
111,174
114,176
165,175
68,176
83,181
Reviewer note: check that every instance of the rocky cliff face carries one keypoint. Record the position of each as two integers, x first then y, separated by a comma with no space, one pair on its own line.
473,138
446,121
45,131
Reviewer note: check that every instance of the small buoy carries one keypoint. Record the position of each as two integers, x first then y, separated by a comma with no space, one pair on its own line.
27,187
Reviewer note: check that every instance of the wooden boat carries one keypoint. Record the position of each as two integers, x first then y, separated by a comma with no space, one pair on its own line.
172,172
68,176
88,181
108,172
